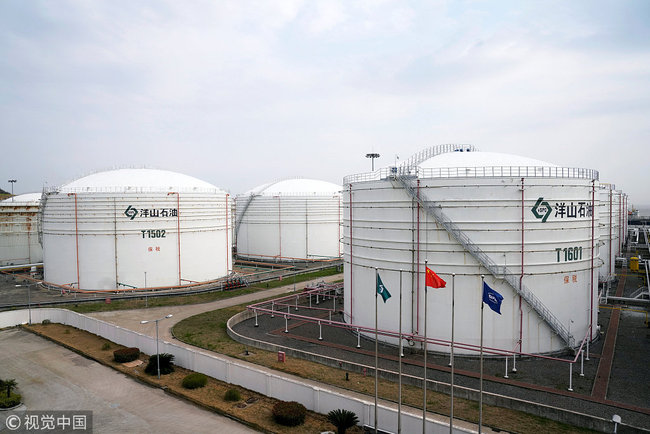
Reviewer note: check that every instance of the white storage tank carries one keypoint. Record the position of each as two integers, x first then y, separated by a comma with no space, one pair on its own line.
291,219
527,225
135,228
619,216
609,227
19,230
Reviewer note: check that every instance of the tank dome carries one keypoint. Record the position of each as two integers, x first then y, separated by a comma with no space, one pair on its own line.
296,186
481,159
137,179
26,198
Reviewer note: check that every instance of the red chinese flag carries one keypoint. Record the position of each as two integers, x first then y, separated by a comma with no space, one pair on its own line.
433,280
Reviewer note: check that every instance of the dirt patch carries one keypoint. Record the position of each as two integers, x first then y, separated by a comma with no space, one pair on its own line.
253,409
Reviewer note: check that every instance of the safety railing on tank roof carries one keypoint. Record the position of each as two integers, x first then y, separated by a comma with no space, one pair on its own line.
318,194
475,172
117,189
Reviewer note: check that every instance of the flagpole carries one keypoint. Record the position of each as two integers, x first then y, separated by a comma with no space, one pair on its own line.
424,400
480,402
399,399
451,414
376,350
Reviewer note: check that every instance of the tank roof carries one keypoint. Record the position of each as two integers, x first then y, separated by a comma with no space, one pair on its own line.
34,198
482,159
125,180
296,187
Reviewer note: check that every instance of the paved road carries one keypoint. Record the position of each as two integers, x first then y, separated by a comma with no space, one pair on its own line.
51,377
130,319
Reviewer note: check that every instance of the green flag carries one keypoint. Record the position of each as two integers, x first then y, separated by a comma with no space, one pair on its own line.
381,289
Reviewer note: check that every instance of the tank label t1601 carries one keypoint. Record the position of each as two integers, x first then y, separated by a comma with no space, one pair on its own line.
568,254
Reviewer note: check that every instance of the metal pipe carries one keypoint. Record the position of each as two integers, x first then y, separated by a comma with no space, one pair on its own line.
591,291
521,277
280,225
76,235
228,248
351,268
178,231
609,265
582,363
417,270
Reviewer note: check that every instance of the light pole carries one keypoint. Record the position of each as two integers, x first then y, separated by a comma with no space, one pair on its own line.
157,352
12,182
372,157
29,302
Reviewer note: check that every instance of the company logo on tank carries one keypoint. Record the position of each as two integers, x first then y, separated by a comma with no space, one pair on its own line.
131,212
542,209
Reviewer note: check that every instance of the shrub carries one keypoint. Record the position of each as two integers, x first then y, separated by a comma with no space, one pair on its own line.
342,419
46,322
106,346
166,365
7,402
124,355
195,380
232,395
289,413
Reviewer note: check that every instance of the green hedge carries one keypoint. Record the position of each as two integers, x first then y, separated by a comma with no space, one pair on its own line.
195,380
125,355
232,395
12,401
289,413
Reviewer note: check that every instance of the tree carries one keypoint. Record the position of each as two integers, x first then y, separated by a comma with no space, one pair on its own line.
342,419
9,385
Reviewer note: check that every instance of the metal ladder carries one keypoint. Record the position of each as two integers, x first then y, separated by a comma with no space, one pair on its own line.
500,272
253,195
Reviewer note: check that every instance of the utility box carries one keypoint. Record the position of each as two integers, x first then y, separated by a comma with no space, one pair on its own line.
634,264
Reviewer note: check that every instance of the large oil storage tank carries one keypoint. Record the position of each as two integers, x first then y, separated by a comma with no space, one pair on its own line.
290,219
609,223
19,230
527,225
135,228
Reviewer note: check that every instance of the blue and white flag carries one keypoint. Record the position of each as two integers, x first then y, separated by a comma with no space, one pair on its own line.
492,298
381,289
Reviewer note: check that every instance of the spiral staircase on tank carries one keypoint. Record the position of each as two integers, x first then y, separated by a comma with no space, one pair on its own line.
404,177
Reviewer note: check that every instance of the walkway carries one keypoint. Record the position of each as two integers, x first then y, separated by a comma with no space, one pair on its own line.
607,357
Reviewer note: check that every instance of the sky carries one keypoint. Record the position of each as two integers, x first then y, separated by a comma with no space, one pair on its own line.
240,93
